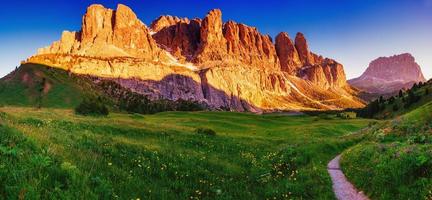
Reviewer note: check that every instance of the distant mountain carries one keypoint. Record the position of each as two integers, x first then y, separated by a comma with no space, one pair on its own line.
225,65
387,75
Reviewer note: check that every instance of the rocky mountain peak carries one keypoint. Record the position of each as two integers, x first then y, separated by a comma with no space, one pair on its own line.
166,21
125,17
212,42
389,74
108,33
398,67
287,53
303,49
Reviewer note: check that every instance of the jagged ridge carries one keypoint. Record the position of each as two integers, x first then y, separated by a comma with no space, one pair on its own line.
245,70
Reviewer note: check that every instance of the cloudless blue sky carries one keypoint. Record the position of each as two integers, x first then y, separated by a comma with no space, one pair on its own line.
353,32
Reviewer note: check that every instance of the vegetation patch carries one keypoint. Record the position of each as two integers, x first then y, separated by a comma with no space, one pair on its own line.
92,106
205,131
395,162
402,103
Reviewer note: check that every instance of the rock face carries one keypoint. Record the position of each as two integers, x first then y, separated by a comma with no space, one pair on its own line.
212,42
178,36
302,47
226,65
108,33
389,74
247,45
289,58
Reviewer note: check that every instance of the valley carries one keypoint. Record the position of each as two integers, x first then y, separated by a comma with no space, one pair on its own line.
53,153
211,108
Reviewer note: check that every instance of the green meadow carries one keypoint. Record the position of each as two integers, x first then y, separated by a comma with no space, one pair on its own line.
55,154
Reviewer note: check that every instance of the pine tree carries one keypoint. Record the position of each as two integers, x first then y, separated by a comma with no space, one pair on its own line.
381,99
400,94
395,107
391,100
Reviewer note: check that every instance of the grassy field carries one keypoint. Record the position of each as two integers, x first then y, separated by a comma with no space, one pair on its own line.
54,154
395,161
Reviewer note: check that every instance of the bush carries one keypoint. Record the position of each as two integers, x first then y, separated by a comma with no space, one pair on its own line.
92,106
205,131
395,107
347,115
188,105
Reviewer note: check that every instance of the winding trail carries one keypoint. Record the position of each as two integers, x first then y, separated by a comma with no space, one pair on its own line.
342,188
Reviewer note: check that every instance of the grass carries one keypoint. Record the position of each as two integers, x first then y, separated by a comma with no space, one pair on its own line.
55,154
395,162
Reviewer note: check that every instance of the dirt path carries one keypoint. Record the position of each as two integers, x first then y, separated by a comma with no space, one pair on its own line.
342,188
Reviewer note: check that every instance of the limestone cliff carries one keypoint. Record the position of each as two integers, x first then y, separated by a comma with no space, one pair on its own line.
226,65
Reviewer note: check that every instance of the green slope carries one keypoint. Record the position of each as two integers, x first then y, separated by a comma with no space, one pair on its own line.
398,105
33,85
26,87
395,162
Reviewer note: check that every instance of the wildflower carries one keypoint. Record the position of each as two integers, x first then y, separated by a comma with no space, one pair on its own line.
109,164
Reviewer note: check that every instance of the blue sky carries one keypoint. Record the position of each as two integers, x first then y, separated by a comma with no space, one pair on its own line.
353,32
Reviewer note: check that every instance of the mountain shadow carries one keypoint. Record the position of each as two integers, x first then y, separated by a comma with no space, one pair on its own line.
36,85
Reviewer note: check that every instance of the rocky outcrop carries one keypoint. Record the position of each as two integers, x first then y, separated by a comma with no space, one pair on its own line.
229,65
327,74
247,45
178,36
302,47
108,33
166,21
212,42
386,75
287,53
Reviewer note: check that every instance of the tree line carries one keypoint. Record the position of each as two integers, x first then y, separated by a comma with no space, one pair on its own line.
403,100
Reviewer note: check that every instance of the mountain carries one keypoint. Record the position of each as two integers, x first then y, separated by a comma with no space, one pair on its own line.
387,75
225,65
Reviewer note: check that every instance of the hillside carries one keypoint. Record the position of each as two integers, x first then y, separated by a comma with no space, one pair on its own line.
37,85
403,102
395,161
222,64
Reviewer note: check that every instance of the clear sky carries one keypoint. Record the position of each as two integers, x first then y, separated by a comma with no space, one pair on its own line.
353,32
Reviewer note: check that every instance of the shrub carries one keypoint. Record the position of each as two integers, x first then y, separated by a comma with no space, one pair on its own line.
188,105
347,115
205,131
92,106
395,107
